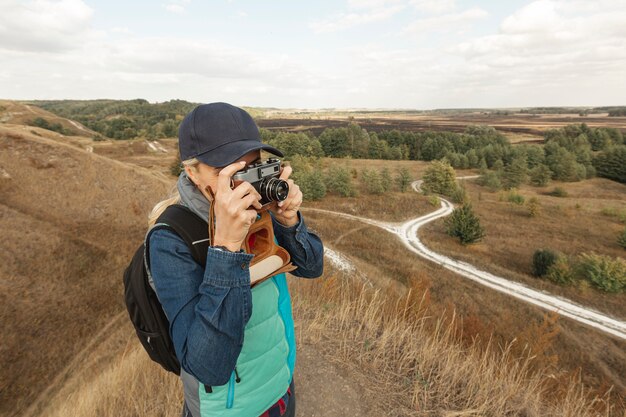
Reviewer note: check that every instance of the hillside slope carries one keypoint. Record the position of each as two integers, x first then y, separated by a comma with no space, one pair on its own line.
69,219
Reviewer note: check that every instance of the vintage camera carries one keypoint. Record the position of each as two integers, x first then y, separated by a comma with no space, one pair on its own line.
264,177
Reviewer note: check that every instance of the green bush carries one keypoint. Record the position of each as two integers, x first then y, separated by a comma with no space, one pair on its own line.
338,181
534,207
540,175
439,178
459,195
385,179
610,163
491,180
558,192
515,198
372,180
433,200
312,185
543,259
403,179
560,271
465,225
604,272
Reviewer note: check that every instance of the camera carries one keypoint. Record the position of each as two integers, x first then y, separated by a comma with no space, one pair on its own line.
264,177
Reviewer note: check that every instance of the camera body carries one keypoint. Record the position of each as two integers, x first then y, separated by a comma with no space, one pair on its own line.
265,178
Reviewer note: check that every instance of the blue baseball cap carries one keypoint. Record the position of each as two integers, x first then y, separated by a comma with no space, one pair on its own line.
218,134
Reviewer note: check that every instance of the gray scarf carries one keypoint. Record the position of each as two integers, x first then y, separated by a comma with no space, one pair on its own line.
192,197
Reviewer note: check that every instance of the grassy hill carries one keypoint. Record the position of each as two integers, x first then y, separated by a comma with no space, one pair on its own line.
71,218
68,219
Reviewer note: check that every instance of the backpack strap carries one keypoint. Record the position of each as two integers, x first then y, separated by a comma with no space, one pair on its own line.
189,226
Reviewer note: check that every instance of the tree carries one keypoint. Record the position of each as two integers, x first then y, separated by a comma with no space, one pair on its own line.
542,261
465,225
540,175
403,179
385,179
312,185
439,178
372,181
515,173
611,163
338,181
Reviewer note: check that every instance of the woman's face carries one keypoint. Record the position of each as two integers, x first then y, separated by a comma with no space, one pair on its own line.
207,175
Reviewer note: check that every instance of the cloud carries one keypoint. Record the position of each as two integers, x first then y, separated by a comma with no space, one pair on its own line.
433,6
445,22
177,6
43,25
344,21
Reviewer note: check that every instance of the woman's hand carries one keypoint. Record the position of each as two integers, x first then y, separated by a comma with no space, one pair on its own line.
286,211
233,209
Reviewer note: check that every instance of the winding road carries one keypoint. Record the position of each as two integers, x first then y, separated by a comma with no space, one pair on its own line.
407,232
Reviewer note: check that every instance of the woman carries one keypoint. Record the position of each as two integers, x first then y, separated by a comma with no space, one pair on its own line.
236,345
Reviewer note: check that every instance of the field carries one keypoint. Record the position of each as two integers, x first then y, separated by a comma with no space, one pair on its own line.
72,210
516,126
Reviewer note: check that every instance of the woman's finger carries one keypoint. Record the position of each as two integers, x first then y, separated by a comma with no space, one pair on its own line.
286,172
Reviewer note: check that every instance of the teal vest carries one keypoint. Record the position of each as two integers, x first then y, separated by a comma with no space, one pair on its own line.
266,362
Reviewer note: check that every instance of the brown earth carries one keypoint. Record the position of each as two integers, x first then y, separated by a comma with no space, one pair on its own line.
64,261
571,225
527,126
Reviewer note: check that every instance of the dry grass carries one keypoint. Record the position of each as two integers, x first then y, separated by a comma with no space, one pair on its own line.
560,346
571,225
70,219
418,361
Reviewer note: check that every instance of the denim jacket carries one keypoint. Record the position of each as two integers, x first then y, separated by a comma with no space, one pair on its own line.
208,309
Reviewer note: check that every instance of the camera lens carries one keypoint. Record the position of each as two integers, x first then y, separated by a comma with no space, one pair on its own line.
274,189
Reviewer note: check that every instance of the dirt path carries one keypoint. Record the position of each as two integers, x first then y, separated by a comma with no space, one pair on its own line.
407,232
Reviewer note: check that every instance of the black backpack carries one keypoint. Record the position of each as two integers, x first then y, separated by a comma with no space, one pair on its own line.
144,308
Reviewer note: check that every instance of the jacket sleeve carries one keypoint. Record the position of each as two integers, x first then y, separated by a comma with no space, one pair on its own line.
305,247
208,309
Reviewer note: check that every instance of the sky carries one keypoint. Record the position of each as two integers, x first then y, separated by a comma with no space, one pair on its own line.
400,54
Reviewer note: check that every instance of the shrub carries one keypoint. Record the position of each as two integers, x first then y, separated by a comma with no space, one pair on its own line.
372,181
621,240
610,163
560,271
558,192
338,180
434,200
534,207
459,195
543,259
403,179
439,178
540,175
385,179
614,212
515,198
465,225
604,272
515,173
312,185
491,180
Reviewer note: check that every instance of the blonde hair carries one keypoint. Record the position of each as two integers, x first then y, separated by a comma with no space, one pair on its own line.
173,197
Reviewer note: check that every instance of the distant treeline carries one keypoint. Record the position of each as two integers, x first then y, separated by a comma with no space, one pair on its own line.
611,110
123,119
572,153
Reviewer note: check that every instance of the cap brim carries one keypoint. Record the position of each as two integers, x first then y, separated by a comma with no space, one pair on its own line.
232,151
